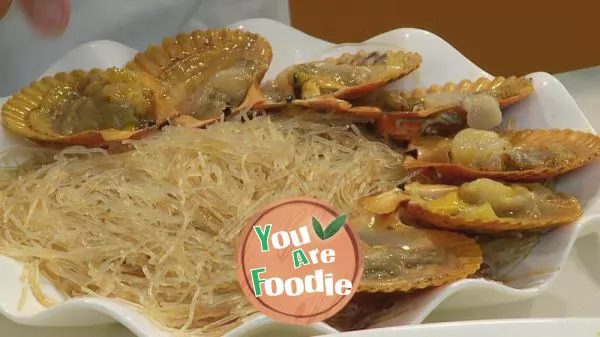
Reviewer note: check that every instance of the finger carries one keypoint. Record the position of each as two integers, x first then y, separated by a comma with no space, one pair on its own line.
4,6
49,17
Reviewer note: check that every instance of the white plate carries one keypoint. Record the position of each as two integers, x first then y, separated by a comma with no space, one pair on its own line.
550,106
572,327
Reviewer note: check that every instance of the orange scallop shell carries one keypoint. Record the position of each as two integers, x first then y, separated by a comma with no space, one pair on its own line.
507,91
399,64
18,110
432,153
385,202
468,260
569,205
400,127
329,103
183,63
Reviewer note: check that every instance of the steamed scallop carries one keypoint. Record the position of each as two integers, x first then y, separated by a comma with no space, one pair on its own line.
327,84
485,205
93,108
520,155
400,258
208,75
443,110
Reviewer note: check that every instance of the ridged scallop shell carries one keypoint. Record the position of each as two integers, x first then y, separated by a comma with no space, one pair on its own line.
432,152
494,226
507,91
294,81
186,63
406,118
466,260
31,111
560,209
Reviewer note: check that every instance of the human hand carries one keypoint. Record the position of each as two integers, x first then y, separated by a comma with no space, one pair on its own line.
49,17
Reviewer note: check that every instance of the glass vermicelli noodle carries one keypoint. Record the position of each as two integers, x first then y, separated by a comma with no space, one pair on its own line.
157,226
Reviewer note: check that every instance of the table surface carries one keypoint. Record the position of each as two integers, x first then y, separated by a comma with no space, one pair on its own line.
576,292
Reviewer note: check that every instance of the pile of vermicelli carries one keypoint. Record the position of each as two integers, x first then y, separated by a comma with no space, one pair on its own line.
157,226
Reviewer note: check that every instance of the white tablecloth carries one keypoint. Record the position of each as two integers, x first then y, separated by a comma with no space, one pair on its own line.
576,292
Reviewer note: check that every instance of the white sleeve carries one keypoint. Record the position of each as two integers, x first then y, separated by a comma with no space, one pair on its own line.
218,13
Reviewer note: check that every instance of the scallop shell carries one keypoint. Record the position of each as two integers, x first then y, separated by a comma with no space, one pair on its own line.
292,82
397,65
405,116
467,260
461,223
561,209
326,104
404,128
507,91
432,152
332,104
184,64
385,202
389,201
28,112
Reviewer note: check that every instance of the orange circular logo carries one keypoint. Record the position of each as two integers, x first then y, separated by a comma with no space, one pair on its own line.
299,261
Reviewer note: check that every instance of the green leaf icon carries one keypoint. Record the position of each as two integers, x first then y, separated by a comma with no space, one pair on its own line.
317,228
334,226
331,229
